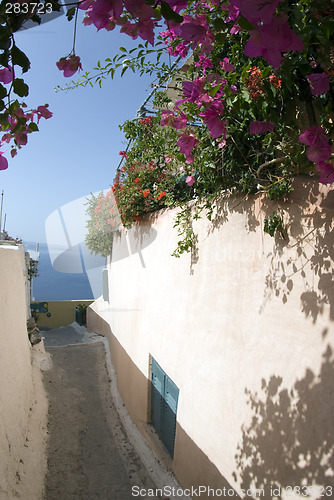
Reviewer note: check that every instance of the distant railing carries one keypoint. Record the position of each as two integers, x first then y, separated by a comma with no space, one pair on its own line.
55,313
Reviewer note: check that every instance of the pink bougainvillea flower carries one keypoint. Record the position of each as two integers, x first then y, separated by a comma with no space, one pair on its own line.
234,89
235,29
139,9
180,50
85,4
180,121
212,119
192,90
146,30
186,143
204,63
319,148
102,11
257,10
6,138
319,83
320,152
131,29
69,65
21,138
190,180
226,65
313,135
233,12
327,172
192,30
261,127
177,5
167,117
6,75
270,40
3,162
206,46
43,112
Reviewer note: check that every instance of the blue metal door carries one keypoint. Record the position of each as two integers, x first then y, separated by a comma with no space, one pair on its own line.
164,399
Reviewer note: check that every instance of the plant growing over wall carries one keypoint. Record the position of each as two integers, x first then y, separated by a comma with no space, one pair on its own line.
103,221
32,269
254,104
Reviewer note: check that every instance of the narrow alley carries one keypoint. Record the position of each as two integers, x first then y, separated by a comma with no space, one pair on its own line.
89,455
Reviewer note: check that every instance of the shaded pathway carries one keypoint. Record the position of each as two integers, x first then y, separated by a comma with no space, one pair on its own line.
87,460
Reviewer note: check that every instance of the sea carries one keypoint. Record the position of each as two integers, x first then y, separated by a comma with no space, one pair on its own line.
54,285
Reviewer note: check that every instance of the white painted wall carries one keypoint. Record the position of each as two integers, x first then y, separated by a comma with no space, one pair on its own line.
251,309
23,405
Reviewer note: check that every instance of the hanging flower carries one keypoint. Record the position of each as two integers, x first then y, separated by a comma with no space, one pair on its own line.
3,162
327,172
69,65
6,75
319,148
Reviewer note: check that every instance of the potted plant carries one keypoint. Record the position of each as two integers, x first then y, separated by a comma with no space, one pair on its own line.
80,314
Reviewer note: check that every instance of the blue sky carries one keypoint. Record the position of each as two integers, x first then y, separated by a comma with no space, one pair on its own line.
76,151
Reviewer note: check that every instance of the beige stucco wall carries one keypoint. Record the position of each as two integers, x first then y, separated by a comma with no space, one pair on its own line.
23,406
245,330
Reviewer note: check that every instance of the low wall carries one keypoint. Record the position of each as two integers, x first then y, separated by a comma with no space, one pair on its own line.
23,406
244,328
59,312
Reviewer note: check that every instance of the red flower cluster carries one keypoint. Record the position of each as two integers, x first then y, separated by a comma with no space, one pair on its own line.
161,195
254,82
146,121
275,81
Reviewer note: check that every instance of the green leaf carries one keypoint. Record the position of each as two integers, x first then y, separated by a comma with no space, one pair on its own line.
19,58
219,24
266,72
3,91
169,14
4,119
5,45
4,59
32,127
122,49
220,38
213,91
4,33
2,105
70,13
20,88
245,24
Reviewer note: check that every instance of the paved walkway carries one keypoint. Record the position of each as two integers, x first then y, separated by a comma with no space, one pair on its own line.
89,456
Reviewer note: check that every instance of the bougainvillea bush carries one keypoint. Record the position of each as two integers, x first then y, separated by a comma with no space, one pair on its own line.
252,102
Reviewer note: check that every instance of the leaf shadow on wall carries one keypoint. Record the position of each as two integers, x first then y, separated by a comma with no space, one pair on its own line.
310,251
290,439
